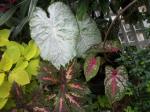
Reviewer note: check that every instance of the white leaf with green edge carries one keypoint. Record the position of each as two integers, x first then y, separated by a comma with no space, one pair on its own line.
13,52
4,34
33,67
3,101
5,89
2,78
91,67
55,35
30,50
5,63
21,77
115,83
89,35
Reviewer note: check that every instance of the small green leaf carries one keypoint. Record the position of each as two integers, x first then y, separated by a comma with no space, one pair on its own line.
5,89
3,101
5,63
33,67
13,52
2,77
13,43
91,67
30,50
21,65
19,76
4,34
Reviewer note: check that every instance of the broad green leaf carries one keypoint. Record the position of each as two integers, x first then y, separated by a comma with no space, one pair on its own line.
115,83
33,67
4,34
5,63
2,77
30,50
13,52
91,67
5,89
19,76
56,36
3,101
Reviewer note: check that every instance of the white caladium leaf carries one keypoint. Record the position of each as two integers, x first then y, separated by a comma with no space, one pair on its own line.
115,83
89,35
55,35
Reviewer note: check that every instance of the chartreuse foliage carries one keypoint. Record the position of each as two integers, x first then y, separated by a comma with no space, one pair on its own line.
17,64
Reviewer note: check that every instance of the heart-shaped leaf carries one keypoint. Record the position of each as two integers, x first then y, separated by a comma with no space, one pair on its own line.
115,83
55,35
91,67
89,35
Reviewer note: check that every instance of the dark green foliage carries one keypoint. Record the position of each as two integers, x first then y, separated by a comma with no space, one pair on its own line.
137,62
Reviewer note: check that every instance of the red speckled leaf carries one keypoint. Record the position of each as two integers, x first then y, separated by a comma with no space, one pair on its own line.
115,83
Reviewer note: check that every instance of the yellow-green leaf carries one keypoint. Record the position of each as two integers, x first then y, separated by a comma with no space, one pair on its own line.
5,63
30,50
33,67
3,101
2,77
19,76
4,33
13,43
13,52
5,89
21,65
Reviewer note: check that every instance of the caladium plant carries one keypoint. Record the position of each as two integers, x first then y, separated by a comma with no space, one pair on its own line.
61,36
115,83
68,93
91,66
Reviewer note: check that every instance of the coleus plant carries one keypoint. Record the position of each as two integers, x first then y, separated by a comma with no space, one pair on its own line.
17,64
116,82
68,94
61,36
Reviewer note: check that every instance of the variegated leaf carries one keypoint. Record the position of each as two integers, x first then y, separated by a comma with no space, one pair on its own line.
115,83
91,67
55,35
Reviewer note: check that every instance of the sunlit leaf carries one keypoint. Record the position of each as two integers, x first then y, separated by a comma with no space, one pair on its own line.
33,67
13,52
115,83
3,101
4,34
30,50
5,89
2,77
19,76
5,63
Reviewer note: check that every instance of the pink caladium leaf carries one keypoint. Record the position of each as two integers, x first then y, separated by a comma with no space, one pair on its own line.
115,83
91,67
